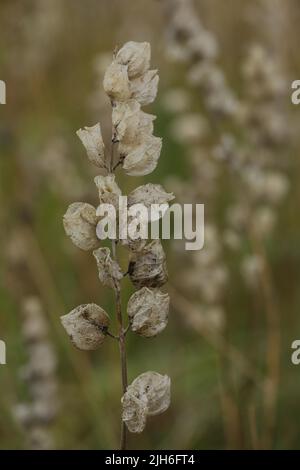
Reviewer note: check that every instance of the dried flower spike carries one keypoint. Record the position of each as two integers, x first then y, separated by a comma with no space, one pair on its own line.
129,84
37,413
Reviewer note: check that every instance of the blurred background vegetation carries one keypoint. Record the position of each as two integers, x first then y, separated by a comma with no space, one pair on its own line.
51,58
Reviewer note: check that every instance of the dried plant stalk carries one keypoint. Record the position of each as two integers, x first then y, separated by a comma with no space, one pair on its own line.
130,84
39,373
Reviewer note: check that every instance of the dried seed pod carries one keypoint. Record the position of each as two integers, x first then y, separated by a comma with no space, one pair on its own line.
148,267
133,245
80,222
141,160
157,389
109,271
134,411
86,325
131,124
125,119
148,311
108,189
116,83
91,137
148,395
145,126
144,88
136,55
149,194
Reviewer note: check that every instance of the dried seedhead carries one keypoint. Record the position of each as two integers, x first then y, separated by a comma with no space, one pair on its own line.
129,84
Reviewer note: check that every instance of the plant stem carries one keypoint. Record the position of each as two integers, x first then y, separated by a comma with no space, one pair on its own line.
122,330
122,347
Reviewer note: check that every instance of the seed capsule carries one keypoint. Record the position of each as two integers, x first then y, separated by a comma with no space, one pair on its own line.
108,189
149,195
109,271
80,222
148,395
91,137
130,123
142,159
148,311
136,55
144,88
148,267
86,325
116,83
